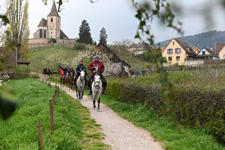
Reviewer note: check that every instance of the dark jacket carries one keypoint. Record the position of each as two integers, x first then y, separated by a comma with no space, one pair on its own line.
79,68
97,64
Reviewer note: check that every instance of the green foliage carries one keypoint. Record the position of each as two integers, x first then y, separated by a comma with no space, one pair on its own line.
4,19
73,124
103,36
52,40
192,105
22,71
84,33
79,46
161,128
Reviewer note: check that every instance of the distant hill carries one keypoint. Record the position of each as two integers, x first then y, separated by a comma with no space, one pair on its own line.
207,39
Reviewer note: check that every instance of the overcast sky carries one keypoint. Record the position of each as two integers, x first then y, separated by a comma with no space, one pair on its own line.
117,17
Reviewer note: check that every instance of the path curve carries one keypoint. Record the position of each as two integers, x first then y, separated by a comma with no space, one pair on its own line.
119,133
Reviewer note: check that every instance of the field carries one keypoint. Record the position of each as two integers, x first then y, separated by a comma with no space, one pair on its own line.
52,57
73,127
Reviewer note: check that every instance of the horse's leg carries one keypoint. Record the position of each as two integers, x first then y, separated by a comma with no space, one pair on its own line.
99,100
94,96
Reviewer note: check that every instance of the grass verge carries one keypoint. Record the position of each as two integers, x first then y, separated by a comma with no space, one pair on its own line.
74,129
161,129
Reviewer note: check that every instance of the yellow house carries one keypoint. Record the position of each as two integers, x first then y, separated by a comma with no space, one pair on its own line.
220,50
177,51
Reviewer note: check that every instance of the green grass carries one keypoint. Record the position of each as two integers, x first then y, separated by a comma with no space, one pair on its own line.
74,129
174,137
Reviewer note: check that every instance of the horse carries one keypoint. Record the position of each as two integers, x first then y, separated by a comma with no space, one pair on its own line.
80,85
96,88
66,79
71,78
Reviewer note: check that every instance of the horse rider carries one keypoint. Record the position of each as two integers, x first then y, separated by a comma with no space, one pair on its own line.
96,66
71,70
65,71
61,73
80,68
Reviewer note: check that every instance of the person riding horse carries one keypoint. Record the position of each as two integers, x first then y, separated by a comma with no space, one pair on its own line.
96,66
80,68
71,70
65,71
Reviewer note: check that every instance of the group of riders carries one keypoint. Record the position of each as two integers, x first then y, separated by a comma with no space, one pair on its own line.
96,66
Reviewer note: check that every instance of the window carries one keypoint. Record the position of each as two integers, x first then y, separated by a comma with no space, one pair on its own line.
203,52
223,55
40,33
44,33
51,19
169,51
178,50
178,58
170,58
173,43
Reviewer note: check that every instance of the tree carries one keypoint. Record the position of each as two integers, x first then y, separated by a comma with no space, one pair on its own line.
103,36
18,31
85,35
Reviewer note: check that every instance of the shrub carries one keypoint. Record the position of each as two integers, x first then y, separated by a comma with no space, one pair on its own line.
192,106
79,46
52,40
22,71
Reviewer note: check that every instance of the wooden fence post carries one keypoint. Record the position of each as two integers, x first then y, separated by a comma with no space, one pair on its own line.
51,112
40,138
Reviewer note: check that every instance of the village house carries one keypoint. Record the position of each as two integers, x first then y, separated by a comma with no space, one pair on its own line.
177,52
50,29
138,49
207,54
195,49
114,64
220,50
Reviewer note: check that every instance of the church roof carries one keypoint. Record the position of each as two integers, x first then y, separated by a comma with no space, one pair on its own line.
54,11
62,34
43,23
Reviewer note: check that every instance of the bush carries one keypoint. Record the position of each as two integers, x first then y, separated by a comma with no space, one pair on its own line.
22,71
52,40
79,46
192,106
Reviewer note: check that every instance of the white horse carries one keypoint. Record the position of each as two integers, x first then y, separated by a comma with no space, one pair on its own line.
96,89
80,83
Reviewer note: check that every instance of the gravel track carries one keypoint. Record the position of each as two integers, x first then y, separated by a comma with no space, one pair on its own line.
119,133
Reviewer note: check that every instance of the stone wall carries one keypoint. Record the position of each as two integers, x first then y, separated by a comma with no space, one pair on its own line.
44,42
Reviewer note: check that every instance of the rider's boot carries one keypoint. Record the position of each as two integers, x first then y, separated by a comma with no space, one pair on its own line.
104,90
90,92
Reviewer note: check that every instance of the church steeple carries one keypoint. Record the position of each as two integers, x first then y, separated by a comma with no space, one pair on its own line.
53,11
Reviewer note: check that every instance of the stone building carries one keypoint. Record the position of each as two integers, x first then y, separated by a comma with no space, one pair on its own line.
48,29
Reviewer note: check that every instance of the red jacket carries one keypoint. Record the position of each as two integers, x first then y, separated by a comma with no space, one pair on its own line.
98,64
62,72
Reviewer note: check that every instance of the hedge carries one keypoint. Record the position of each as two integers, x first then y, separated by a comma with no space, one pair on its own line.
193,106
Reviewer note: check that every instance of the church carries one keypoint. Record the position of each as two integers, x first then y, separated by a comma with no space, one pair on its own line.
48,29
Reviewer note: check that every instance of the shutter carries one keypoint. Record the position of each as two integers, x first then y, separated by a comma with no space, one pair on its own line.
172,51
179,50
167,51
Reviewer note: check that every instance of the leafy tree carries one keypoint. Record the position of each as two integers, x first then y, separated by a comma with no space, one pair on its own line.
85,35
18,30
103,36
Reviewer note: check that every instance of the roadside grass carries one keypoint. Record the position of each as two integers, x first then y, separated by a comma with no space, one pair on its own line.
173,137
74,129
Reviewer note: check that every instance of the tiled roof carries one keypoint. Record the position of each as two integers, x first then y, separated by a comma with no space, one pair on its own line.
219,47
185,46
62,34
54,11
211,52
43,23
113,53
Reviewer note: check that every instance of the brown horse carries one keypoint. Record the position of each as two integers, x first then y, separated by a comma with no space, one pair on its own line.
66,78
71,79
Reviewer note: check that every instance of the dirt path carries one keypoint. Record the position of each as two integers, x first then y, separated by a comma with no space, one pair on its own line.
120,134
